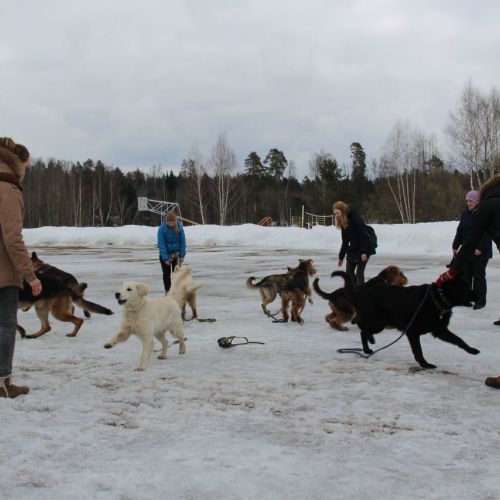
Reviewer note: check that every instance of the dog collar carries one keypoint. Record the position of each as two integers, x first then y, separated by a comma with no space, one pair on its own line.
440,300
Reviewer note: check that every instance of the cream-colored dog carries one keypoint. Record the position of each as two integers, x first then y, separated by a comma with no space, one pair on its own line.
183,290
147,318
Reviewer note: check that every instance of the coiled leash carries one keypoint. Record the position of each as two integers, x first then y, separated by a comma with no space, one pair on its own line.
227,342
274,318
359,350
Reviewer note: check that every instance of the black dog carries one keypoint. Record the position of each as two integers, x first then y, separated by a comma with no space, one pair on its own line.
342,310
382,305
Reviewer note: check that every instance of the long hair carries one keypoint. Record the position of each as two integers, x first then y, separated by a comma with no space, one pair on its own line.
341,222
172,217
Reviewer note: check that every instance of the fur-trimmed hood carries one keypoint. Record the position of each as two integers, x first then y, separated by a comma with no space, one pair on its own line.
9,162
487,187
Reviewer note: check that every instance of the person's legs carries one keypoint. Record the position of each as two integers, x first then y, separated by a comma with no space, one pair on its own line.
167,270
360,272
468,272
479,282
350,270
8,322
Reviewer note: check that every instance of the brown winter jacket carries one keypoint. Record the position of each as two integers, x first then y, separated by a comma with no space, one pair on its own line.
15,263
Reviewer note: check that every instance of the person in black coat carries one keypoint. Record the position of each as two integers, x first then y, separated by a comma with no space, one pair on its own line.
474,270
355,241
486,220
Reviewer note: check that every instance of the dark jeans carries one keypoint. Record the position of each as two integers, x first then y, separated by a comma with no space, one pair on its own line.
8,322
167,271
356,270
475,275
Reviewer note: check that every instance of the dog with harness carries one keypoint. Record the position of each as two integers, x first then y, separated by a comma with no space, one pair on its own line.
414,310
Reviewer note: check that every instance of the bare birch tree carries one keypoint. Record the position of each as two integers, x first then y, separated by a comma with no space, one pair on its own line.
195,169
223,162
474,132
406,151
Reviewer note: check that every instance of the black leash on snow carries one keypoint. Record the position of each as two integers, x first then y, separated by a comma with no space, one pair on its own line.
274,318
359,350
227,342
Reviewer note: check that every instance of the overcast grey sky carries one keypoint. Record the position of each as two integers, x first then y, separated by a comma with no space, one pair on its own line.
137,83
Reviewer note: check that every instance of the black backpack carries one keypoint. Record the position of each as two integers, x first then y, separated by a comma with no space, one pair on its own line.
372,236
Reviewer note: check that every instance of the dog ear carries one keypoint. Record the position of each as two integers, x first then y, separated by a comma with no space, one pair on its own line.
142,289
34,255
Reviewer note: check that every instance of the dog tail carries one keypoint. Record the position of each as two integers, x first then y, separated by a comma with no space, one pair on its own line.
86,305
78,288
249,282
320,292
194,286
349,287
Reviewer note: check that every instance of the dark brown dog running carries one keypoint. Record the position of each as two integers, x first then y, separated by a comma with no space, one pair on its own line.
342,309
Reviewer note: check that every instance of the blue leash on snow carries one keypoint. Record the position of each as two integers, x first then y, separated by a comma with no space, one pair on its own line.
359,350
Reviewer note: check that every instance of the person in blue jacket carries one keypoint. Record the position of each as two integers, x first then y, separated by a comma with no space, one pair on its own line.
355,241
474,270
172,246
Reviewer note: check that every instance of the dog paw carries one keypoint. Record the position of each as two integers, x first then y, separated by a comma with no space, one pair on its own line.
108,346
162,356
71,335
427,366
139,369
368,351
472,350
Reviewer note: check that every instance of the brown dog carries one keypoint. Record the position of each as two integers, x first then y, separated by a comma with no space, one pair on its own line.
270,286
60,291
296,290
342,309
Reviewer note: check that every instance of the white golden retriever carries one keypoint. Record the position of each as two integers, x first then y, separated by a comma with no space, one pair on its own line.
183,290
147,318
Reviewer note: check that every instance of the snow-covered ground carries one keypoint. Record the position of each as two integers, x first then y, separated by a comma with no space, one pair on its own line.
288,419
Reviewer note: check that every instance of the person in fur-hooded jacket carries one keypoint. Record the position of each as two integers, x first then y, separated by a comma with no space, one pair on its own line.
15,263
487,220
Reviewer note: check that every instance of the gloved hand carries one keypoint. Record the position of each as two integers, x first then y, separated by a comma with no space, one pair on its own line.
446,276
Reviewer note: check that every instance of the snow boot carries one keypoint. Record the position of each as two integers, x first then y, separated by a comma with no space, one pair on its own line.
493,382
9,390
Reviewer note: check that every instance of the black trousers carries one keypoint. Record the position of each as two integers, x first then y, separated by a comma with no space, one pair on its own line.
167,269
356,270
475,275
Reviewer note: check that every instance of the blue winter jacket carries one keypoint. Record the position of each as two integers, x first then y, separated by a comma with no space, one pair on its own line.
170,243
463,231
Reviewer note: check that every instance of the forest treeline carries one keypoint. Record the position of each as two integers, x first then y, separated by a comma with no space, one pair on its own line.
409,183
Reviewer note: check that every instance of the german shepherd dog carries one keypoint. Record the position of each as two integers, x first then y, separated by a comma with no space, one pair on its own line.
58,298
296,290
42,268
342,309
415,310
270,286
